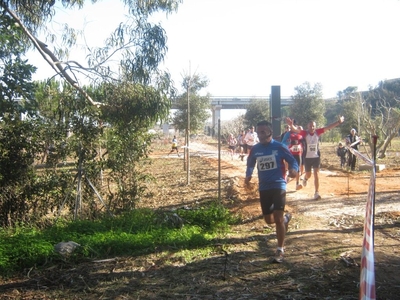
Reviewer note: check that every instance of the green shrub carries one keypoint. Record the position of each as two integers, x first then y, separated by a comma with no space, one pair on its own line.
134,233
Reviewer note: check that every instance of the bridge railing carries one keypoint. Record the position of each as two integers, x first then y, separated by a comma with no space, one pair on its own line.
231,102
242,102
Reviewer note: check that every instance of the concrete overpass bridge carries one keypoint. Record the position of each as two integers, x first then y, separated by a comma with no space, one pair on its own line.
227,102
232,102
218,103
243,102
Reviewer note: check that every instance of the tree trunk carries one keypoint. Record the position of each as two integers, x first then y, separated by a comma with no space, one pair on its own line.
382,150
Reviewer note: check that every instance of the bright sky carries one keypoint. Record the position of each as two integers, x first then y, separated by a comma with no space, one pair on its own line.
245,47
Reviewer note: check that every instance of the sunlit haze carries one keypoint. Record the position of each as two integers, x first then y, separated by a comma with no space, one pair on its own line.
245,47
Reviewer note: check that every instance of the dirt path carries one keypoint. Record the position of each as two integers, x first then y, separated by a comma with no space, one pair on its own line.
324,241
342,192
323,244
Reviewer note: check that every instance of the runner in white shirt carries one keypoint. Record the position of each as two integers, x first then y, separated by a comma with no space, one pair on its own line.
251,139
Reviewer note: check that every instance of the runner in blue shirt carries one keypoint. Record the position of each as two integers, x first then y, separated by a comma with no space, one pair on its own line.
269,156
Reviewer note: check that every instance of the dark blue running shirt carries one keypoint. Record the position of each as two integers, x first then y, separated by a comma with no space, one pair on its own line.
270,164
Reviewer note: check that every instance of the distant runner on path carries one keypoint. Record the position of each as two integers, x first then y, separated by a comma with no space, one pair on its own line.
174,146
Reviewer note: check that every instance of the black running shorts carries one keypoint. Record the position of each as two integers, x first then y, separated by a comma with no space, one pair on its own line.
270,200
312,163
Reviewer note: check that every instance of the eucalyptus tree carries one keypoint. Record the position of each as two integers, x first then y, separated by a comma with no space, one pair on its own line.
19,142
348,104
110,100
15,72
198,105
52,101
257,110
308,104
130,55
140,44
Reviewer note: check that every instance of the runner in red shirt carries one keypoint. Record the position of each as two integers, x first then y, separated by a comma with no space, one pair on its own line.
293,141
312,157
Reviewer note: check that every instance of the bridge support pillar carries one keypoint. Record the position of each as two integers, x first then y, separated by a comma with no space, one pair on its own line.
276,114
216,115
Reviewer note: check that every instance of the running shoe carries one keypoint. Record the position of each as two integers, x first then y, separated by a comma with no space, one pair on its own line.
278,258
304,182
317,196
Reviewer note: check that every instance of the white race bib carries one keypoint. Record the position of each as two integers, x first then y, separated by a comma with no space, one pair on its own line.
295,148
266,163
312,148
